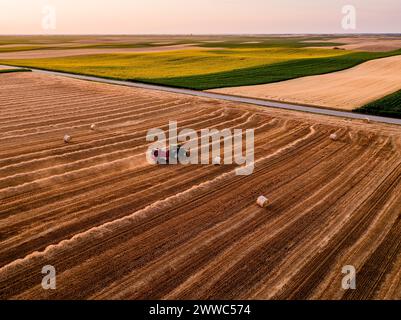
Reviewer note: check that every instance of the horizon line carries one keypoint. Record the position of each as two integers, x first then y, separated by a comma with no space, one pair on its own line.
198,34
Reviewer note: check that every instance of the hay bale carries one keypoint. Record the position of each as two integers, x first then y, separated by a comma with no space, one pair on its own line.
262,202
67,138
333,137
216,161
367,120
93,127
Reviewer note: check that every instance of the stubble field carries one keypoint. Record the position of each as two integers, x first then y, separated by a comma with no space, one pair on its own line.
115,226
345,90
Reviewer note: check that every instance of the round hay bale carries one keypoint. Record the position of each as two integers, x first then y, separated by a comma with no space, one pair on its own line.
262,202
67,138
216,161
333,137
367,120
93,127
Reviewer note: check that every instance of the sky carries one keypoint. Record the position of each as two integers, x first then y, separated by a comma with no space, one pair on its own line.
195,16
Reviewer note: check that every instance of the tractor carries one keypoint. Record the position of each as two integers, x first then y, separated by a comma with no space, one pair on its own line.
165,155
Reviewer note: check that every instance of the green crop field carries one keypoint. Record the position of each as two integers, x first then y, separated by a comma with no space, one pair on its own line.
270,73
389,106
13,70
173,64
290,42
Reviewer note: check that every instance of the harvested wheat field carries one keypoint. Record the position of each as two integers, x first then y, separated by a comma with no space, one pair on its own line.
115,226
345,90
371,44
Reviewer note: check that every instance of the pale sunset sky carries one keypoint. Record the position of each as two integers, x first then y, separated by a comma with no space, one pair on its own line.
198,16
